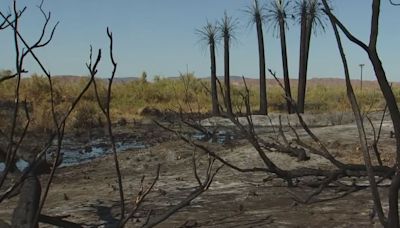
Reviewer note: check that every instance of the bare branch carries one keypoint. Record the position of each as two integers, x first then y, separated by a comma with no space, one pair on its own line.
349,35
360,125
106,111
203,186
375,142
196,175
141,196
211,153
60,127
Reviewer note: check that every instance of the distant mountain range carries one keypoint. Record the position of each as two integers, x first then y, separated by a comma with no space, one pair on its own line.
238,80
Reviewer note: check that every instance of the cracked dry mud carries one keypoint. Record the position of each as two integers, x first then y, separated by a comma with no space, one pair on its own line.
88,193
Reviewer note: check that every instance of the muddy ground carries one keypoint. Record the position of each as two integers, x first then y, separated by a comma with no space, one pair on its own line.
87,193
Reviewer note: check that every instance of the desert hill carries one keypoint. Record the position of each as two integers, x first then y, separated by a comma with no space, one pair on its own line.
250,81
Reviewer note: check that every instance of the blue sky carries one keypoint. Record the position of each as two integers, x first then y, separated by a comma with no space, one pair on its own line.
158,36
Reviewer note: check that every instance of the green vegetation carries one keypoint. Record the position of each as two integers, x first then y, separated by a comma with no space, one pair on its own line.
186,93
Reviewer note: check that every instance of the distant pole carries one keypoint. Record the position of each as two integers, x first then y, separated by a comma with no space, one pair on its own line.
361,72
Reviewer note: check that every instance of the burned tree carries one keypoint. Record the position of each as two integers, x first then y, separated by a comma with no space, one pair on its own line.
310,17
209,35
227,27
256,11
28,211
26,185
392,219
278,16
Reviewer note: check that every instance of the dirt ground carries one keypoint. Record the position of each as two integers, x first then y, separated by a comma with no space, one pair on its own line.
88,194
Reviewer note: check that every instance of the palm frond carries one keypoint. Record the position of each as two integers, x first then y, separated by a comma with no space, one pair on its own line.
256,12
208,33
278,10
227,27
316,14
311,10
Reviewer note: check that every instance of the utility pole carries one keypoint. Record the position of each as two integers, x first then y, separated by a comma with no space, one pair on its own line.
361,68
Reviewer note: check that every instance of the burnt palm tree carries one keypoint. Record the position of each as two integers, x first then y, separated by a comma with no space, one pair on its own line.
310,17
257,17
277,16
209,35
227,27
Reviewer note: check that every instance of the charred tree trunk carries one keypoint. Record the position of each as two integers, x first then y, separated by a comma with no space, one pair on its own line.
28,203
302,63
360,125
393,214
228,101
307,44
214,95
261,58
286,79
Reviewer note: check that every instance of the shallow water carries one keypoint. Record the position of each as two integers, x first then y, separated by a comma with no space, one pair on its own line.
220,137
74,152
78,153
74,155
21,165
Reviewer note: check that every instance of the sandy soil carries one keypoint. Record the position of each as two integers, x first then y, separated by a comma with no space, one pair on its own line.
88,193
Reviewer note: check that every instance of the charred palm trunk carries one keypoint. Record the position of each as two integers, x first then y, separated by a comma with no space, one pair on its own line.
261,57
308,42
214,95
306,55
286,79
228,102
302,62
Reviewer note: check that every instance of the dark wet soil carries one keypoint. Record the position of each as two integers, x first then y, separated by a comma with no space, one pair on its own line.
87,193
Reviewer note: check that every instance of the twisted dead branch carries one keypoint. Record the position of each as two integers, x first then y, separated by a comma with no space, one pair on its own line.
105,108
202,187
298,147
393,217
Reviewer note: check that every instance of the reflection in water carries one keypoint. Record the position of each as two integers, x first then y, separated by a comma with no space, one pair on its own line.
79,154
21,165
74,153
85,153
220,137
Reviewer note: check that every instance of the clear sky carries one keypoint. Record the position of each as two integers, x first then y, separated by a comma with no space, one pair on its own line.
158,36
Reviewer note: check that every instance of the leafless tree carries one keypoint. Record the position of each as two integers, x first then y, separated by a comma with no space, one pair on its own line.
302,149
105,108
32,193
371,49
28,211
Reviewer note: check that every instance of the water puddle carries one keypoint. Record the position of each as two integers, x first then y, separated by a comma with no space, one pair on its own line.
78,153
74,155
21,165
220,137
74,152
